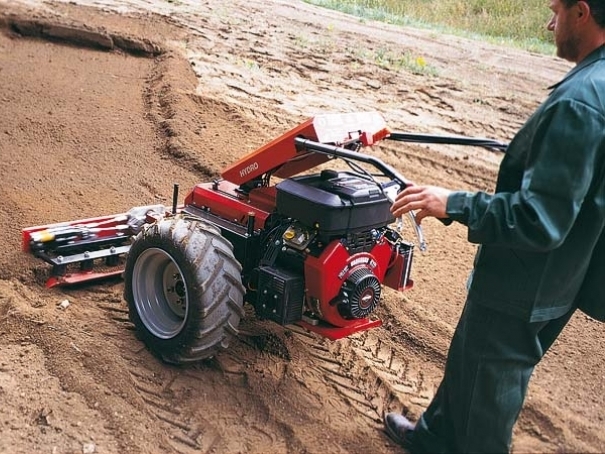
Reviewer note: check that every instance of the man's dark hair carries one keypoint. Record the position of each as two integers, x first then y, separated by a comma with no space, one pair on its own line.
597,9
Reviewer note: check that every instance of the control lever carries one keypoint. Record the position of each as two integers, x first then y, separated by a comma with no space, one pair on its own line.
391,194
417,229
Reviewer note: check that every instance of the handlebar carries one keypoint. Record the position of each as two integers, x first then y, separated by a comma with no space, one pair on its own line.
452,140
303,144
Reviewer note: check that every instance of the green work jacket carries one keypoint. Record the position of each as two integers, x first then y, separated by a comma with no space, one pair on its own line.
541,236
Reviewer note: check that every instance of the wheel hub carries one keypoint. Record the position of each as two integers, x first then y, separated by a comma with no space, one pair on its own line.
175,292
160,293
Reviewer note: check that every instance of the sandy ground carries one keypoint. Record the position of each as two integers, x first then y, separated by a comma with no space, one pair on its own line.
104,105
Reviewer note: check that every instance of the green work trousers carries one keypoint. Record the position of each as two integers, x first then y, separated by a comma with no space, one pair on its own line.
491,358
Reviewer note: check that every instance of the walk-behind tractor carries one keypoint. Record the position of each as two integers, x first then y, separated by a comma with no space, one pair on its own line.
313,249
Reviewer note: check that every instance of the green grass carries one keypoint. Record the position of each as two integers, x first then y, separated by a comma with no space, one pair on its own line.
515,23
389,59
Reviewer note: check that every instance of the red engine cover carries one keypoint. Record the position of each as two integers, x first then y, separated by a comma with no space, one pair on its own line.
326,274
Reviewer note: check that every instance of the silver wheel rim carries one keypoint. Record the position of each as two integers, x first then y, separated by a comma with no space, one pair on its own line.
160,293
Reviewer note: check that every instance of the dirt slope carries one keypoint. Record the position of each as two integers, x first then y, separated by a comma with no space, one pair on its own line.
104,105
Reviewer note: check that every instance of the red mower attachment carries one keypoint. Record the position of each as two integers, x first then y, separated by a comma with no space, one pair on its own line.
76,248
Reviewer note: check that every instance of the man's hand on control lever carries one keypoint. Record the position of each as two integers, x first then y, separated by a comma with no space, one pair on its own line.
423,200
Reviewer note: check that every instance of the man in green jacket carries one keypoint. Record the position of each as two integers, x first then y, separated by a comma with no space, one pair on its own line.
541,255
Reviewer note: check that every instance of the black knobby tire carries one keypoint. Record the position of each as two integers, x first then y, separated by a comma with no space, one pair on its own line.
184,289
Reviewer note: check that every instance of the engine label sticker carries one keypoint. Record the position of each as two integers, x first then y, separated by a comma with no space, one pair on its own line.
368,261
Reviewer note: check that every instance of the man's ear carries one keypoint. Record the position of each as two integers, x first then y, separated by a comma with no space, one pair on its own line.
583,11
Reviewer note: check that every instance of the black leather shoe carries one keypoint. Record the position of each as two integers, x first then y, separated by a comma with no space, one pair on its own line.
399,428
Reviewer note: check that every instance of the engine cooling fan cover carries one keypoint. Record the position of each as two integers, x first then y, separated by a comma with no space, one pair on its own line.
359,295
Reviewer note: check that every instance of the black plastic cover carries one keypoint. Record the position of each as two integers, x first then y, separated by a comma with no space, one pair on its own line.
335,202
281,294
